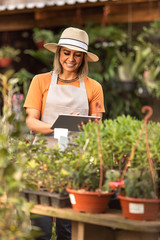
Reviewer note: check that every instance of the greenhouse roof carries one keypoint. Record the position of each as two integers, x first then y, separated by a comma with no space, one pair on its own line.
29,4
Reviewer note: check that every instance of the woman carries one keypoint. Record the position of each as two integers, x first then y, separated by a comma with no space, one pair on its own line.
66,90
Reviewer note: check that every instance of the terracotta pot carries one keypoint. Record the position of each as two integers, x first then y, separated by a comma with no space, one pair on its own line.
4,62
139,209
89,202
40,44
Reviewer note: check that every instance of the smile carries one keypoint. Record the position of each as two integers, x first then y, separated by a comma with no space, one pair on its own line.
70,64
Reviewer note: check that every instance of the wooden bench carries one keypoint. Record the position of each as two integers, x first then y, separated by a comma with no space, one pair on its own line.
106,226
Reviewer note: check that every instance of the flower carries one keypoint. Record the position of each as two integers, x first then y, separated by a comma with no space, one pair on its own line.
115,185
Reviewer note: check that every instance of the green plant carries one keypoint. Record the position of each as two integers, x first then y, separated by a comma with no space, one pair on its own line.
25,78
43,35
7,51
151,81
149,38
117,138
150,34
53,232
139,184
141,179
104,41
101,147
111,175
42,55
14,211
132,63
86,169
45,168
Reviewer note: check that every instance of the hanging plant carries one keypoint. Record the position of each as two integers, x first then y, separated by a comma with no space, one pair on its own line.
7,54
42,36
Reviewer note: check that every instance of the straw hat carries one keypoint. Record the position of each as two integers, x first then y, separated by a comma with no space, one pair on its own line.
75,39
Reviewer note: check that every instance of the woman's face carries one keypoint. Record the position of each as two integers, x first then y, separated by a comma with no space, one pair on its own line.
70,60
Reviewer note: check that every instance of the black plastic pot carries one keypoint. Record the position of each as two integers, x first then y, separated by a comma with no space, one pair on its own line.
47,198
127,86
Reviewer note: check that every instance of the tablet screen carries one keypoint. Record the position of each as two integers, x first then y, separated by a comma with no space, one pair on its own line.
72,122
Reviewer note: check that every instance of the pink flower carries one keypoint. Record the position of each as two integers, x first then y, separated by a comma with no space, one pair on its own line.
21,97
115,185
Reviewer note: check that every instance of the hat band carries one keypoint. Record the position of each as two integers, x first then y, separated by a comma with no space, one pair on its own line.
73,42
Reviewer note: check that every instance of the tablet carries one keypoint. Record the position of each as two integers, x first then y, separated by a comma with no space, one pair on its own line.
72,122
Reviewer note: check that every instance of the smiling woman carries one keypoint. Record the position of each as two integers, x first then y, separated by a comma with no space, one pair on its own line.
65,90
70,61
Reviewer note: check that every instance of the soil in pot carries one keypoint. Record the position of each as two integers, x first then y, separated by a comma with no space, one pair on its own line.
139,209
89,202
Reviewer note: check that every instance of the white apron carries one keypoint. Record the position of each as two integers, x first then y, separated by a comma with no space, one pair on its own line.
63,99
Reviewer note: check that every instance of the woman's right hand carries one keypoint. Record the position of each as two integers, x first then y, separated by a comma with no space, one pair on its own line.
35,124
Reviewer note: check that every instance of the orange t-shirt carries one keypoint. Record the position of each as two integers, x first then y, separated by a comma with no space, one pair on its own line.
38,90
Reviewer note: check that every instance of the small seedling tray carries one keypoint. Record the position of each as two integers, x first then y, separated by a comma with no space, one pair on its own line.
47,198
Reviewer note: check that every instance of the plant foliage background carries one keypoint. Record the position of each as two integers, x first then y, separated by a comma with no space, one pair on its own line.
123,57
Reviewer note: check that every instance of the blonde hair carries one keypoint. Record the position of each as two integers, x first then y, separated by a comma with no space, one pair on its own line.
82,71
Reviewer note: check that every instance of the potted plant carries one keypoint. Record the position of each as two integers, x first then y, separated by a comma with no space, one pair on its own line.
131,64
139,189
42,36
137,199
87,171
100,150
44,175
7,53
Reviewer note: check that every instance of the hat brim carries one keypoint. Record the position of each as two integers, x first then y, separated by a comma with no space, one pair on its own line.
53,47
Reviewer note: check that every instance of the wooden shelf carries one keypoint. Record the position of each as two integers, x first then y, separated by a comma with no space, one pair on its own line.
112,218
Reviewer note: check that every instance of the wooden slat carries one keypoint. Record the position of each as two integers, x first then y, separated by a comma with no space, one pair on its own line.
96,232
119,12
62,8
140,12
86,13
133,235
81,5
48,19
129,2
112,218
80,232
17,22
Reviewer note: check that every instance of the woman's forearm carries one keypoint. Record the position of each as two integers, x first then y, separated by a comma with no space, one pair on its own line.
37,126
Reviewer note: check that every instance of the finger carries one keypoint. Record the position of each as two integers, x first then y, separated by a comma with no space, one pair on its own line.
96,120
82,123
